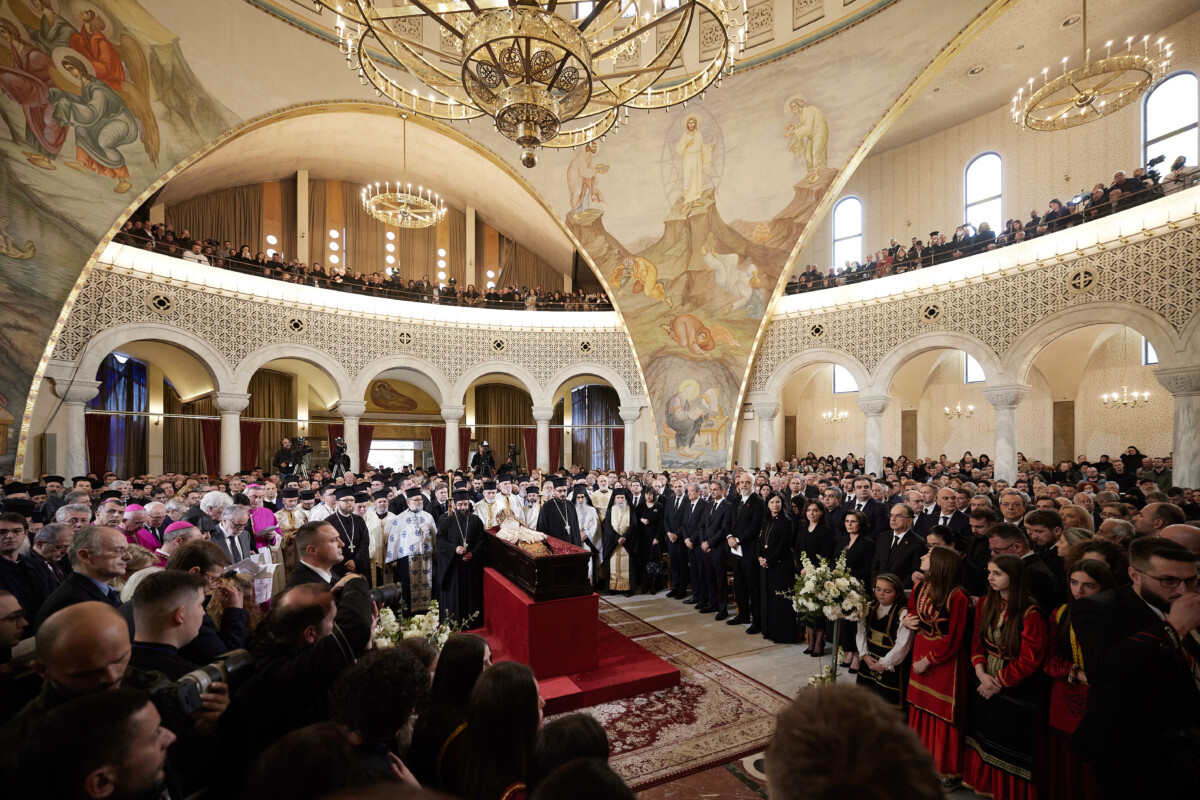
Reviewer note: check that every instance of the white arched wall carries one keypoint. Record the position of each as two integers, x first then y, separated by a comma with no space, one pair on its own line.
885,372
606,374
515,371
419,372
105,342
254,361
808,394
815,355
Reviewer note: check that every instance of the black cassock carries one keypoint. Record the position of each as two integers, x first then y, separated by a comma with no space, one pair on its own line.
460,583
356,545
558,519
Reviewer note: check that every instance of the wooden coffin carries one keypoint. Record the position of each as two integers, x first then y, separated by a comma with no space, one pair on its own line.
562,573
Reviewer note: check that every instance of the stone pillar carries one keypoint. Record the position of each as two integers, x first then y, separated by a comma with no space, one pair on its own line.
629,415
873,408
453,416
231,405
766,414
1184,385
75,394
1005,400
542,416
351,411
302,231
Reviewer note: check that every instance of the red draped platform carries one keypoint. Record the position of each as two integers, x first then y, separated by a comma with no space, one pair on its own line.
578,660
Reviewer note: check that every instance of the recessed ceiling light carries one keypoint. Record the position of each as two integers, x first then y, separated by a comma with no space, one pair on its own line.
1071,20
975,70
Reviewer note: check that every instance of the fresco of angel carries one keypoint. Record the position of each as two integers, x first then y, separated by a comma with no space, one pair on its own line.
48,30
687,411
102,123
27,82
808,138
581,178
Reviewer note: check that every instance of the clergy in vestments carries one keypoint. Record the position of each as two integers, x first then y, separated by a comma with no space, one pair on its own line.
352,528
620,543
506,499
558,518
289,518
488,508
532,507
460,543
410,542
601,496
589,530
379,522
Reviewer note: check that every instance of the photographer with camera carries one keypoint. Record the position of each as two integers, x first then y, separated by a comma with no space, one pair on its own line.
482,462
284,461
339,459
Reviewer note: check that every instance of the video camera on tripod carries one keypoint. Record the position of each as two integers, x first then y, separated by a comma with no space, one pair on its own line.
300,448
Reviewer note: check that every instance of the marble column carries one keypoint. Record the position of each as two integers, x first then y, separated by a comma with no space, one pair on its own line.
453,416
1184,385
542,416
352,411
873,408
231,405
766,414
75,395
629,416
1005,400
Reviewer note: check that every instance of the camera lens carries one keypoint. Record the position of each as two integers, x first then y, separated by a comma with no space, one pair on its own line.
386,595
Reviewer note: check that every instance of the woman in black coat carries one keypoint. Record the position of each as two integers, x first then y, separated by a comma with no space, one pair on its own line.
778,574
813,541
650,535
859,549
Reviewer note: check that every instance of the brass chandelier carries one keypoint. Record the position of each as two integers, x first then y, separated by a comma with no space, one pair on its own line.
533,68
399,206
1093,90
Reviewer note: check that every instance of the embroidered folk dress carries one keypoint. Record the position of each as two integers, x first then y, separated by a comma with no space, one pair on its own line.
882,636
934,698
1067,775
411,536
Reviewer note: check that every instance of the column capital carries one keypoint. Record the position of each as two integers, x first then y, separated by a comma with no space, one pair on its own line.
766,410
1007,396
874,406
351,408
230,402
629,413
543,413
76,391
1179,381
453,413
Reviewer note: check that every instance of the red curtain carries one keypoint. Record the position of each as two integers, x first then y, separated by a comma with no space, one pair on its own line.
464,446
250,432
437,440
556,453
530,437
97,427
365,433
333,430
210,437
618,448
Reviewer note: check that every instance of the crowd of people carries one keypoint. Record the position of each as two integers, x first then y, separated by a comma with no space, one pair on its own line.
1038,637
1125,191
162,238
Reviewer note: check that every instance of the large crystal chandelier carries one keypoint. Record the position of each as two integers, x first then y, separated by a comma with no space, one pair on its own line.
535,67
398,206
1093,90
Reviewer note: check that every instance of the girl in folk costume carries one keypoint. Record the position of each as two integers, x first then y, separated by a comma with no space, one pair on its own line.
938,611
1066,775
1003,706
884,642
620,539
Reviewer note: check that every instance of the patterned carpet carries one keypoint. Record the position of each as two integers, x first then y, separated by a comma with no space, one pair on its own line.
714,716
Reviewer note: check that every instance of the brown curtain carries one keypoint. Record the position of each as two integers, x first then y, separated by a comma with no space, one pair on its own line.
273,396
316,222
595,404
508,409
415,249
522,268
456,260
233,214
183,450
287,203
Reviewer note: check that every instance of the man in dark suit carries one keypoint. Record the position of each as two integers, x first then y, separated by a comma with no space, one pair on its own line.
29,582
948,516
1140,651
831,500
320,549
899,550
746,523
231,534
1007,539
714,535
927,517
98,556
693,511
675,509
168,608
877,512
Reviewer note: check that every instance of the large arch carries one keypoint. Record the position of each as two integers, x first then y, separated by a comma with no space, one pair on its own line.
254,361
608,374
110,339
814,355
428,378
516,371
1020,357
885,371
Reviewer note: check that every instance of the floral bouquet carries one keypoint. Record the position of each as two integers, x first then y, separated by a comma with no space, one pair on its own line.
833,593
390,630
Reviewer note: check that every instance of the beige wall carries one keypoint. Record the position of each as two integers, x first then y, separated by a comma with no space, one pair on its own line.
1098,430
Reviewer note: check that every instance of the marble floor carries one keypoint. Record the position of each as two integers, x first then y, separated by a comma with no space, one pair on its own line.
783,667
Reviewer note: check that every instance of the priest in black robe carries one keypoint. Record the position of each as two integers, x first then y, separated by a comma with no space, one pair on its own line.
558,517
352,528
460,544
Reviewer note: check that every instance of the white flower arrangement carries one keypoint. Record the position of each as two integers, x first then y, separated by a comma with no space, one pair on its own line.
389,630
829,591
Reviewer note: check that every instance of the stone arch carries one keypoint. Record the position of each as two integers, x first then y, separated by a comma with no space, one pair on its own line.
1024,351
429,378
585,368
255,360
885,371
520,373
110,339
814,355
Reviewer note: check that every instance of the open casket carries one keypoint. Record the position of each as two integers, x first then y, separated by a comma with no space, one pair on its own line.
560,573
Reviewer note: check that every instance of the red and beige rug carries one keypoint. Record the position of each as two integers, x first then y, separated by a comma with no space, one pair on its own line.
714,716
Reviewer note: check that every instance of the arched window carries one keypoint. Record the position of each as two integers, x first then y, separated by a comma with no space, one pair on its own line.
983,192
847,232
973,372
843,381
1169,120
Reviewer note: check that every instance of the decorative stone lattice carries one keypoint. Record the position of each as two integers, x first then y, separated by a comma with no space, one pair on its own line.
1083,280
405,338
585,347
931,312
817,331
499,345
160,303
296,326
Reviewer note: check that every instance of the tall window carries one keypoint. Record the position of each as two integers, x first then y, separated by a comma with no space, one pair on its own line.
973,372
1170,119
843,381
983,192
1149,354
847,232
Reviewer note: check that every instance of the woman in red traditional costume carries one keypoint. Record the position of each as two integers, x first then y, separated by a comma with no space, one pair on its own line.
938,611
1004,701
1067,776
